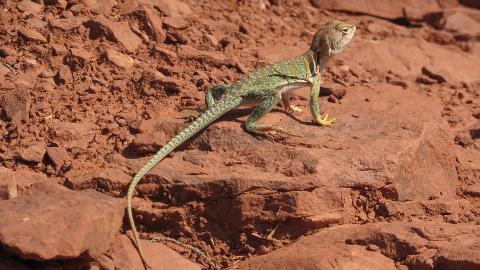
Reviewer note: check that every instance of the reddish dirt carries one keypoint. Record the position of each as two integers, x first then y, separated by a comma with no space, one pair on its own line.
91,89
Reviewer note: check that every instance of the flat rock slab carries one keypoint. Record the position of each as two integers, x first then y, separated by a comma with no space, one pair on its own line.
14,183
384,138
319,256
435,244
52,222
420,245
421,55
160,257
410,9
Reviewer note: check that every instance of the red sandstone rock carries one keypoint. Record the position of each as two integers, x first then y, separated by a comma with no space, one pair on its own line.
31,34
159,256
89,222
390,156
16,104
320,256
118,31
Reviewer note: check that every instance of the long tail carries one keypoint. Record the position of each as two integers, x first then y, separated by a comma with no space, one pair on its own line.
210,115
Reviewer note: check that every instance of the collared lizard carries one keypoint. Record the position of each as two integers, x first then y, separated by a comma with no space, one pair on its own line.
263,88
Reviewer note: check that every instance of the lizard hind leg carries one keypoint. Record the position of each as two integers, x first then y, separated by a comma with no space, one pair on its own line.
260,111
289,107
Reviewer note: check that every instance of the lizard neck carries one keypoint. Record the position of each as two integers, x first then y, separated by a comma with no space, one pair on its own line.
318,58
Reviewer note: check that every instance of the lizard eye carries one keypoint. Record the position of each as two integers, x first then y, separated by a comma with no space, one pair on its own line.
344,31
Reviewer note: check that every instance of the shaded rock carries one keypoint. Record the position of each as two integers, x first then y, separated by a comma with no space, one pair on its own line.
470,3
424,79
159,256
146,143
64,75
463,138
61,4
319,256
472,190
90,221
119,59
59,49
117,31
31,34
58,155
172,7
33,153
155,82
439,75
28,6
7,51
105,179
421,261
15,104
8,262
189,52
152,23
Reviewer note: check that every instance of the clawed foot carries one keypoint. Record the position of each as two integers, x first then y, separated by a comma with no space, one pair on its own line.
325,121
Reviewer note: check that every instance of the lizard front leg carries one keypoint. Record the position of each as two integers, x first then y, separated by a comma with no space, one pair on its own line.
315,107
260,111
289,107
214,93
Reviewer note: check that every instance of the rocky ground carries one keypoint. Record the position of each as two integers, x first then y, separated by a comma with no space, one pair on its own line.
91,89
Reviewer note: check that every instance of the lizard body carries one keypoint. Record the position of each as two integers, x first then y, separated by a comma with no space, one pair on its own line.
263,88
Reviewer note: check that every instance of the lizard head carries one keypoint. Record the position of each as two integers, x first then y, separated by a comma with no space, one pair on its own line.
332,37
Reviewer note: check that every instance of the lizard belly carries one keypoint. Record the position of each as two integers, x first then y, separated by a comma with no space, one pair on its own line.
286,88
291,87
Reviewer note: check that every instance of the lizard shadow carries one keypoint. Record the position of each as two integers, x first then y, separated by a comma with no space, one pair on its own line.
131,153
233,115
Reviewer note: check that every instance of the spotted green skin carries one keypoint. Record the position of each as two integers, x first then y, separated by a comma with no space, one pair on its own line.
264,88
264,82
